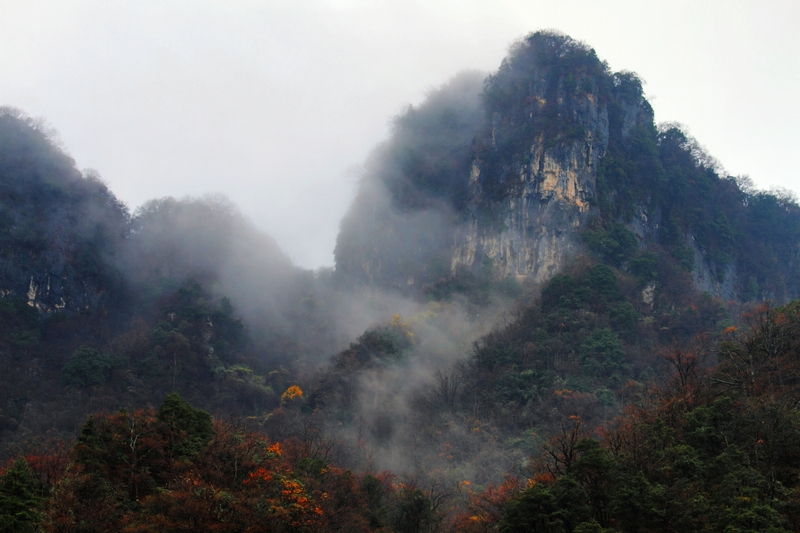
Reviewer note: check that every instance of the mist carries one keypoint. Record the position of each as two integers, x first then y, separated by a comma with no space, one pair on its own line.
273,104
389,351
383,344
410,201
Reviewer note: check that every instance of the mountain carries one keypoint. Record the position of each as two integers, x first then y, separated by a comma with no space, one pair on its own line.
101,308
552,156
60,231
546,309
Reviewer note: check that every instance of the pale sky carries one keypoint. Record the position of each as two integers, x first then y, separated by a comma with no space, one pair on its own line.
277,103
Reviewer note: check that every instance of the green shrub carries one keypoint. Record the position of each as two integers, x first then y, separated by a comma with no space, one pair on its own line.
87,367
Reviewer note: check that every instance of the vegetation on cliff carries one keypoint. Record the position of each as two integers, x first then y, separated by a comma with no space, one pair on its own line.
553,95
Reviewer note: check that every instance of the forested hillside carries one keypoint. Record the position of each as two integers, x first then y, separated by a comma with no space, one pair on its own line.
548,313
61,231
710,449
103,308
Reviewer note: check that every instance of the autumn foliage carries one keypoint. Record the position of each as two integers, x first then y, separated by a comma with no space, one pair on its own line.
714,446
141,471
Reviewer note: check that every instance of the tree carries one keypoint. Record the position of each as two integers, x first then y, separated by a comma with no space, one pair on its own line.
87,367
534,511
19,501
190,429
413,511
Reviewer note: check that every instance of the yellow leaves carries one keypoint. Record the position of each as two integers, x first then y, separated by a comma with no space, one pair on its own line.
292,487
431,312
292,393
276,449
397,322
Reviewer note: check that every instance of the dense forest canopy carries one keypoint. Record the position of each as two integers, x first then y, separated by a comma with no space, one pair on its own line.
169,369
708,449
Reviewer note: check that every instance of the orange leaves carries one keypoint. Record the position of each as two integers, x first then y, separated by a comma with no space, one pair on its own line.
447,452
484,510
545,478
241,482
291,504
292,393
291,488
276,449
274,492
123,479
262,474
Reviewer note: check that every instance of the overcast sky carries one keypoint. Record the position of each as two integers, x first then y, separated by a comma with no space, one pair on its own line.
277,103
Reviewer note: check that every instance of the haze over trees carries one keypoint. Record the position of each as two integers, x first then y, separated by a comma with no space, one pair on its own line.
548,313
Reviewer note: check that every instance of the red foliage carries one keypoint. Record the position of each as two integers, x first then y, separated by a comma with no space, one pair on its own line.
120,477
483,510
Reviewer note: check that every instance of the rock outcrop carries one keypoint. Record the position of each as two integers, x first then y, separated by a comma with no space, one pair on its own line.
482,184
59,230
532,228
528,177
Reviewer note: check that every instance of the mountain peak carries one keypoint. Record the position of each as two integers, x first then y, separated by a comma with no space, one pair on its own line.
507,183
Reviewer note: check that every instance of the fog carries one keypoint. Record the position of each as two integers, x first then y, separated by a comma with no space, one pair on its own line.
384,357
299,116
390,410
277,105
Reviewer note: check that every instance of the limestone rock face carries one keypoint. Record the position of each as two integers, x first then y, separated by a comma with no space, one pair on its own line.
542,214
534,175
480,184
521,181
704,279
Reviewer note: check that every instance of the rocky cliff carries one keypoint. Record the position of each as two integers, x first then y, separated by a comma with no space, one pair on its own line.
527,174
59,230
533,178
506,178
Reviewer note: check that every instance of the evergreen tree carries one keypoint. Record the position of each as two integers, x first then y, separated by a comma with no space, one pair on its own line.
19,502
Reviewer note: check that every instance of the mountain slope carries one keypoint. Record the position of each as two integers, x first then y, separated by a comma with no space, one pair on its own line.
59,231
555,156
